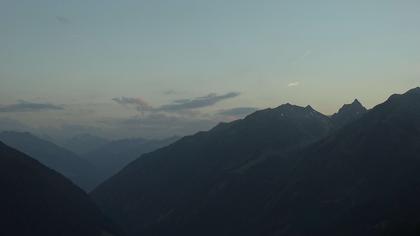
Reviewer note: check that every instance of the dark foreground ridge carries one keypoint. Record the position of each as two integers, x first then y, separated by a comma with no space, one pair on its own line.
283,171
36,200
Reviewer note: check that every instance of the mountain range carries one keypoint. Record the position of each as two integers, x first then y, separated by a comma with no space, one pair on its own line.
98,158
284,171
287,171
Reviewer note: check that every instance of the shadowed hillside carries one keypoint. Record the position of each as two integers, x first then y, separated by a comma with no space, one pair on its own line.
279,172
165,190
36,200
78,170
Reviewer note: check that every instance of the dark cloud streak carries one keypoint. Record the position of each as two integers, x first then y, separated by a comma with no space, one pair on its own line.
138,102
196,103
25,106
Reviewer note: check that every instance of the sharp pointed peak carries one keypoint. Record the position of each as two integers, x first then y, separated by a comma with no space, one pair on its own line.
355,103
355,106
309,108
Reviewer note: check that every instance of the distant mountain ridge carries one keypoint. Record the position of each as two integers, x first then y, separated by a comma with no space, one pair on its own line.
80,171
104,159
84,143
112,156
283,171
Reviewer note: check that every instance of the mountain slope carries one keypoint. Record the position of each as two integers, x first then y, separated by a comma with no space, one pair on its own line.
113,156
363,180
53,156
165,190
36,200
251,177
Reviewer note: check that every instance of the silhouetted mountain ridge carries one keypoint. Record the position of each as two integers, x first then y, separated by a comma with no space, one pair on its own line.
175,181
280,172
84,143
363,180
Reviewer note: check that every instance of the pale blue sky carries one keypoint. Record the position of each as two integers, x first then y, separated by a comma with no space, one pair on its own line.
81,54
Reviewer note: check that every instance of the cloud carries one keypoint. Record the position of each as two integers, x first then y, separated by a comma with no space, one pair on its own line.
196,103
140,104
238,111
293,84
25,106
301,57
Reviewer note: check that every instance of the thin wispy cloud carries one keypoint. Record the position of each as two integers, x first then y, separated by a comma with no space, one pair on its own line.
176,105
139,103
25,106
199,102
293,84
301,57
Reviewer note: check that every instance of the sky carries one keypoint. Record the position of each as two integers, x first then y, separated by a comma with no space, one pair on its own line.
157,68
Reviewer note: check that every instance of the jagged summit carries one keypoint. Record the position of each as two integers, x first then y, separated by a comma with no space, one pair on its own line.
356,102
348,113
309,107
354,106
